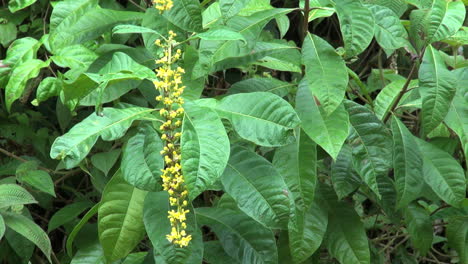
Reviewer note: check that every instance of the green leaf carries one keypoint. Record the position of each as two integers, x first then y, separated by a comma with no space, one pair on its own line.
348,245
22,50
407,164
16,5
319,8
120,218
458,39
296,163
76,143
356,25
77,228
257,84
158,226
77,21
344,177
90,254
19,78
389,32
2,227
141,160
12,194
220,34
437,87
214,253
419,227
326,72
256,186
127,29
329,132
104,161
443,174
67,214
74,56
205,148
437,21
263,118
28,229
306,230
388,95
186,14
48,87
37,179
230,8
457,236
243,239
9,33
370,143
397,6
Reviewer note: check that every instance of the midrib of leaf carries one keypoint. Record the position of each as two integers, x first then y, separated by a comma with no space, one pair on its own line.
437,86
321,68
106,127
431,164
250,183
74,13
442,18
254,117
405,159
199,148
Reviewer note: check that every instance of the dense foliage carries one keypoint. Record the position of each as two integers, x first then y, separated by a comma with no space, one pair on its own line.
233,131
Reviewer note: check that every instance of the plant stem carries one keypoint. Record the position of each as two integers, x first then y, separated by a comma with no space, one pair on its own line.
305,22
362,87
402,92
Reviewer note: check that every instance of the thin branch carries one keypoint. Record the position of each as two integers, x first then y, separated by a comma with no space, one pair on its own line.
137,5
305,23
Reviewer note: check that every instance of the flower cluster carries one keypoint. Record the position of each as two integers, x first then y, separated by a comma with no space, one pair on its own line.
163,5
170,88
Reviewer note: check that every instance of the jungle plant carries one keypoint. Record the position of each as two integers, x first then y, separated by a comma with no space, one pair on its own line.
233,131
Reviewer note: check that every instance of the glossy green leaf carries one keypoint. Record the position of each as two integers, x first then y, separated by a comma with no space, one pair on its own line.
437,87
120,218
371,143
389,32
205,148
325,71
356,25
437,21
48,87
214,253
242,238
19,78
388,95
348,245
141,160
91,212
458,39
296,163
16,5
271,85
257,187
91,254
443,173
329,132
67,213
30,230
21,50
230,8
127,29
12,194
407,164
2,227
397,6
306,230
457,236
263,118
220,34
419,227
76,143
74,56
186,14
77,21
158,226
344,177
37,179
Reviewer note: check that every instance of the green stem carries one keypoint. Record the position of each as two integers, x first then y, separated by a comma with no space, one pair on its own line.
362,86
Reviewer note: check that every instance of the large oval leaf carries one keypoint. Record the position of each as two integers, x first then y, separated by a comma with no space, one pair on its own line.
242,238
344,177
297,163
158,226
330,131
326,72
356,24
443,173
205,148
12,194
186,14
112,124
457,236
120,218
437,87
348,245
389,32
263,118
371,144
21,50
407,164
257,187
141,159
